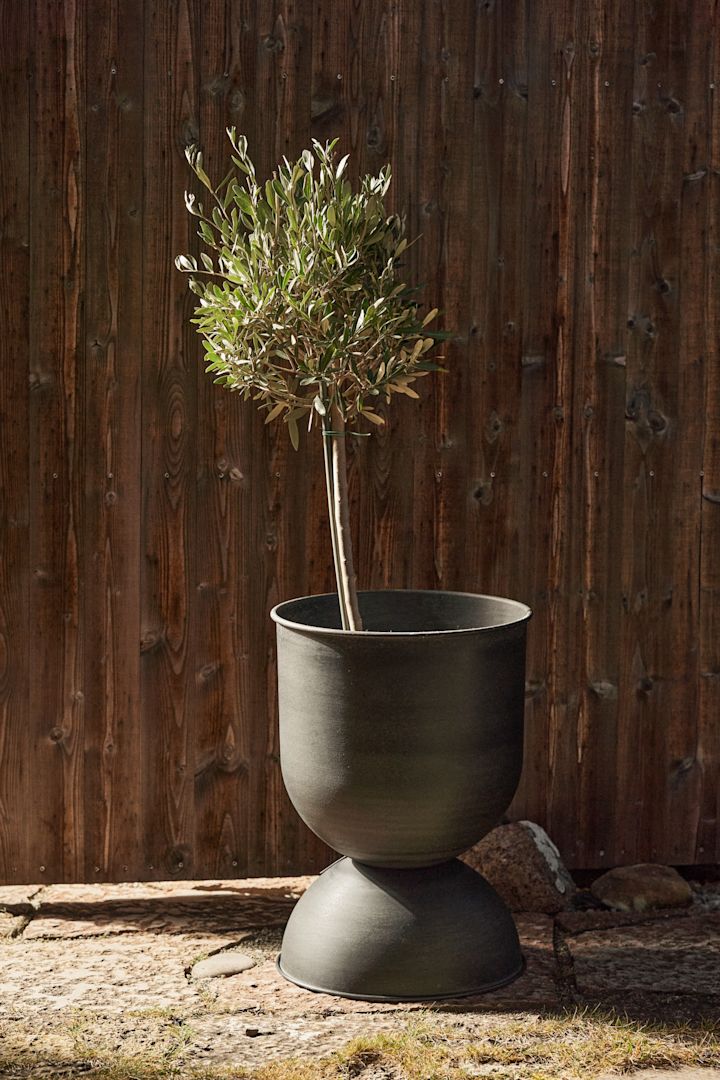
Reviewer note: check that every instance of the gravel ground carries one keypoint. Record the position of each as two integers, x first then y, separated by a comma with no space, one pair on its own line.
92,972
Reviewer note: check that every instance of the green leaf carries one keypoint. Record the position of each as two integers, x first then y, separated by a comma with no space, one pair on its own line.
275,411
374,417
304,287
293,432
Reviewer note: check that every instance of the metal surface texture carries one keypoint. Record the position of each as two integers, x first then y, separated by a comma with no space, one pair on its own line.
389,935
402,746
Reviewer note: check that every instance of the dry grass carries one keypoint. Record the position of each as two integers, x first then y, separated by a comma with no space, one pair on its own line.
576,1046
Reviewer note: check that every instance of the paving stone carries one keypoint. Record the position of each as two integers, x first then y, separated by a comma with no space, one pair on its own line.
673,956
11,924
56,896
136,971
70,911
642,887
521,862
579,922
163,917
222,964
19,898
538,985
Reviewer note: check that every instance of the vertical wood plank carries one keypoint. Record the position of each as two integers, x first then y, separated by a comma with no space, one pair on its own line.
606,58
56,703
283,89
680,779
416,459
564,472
112,425
228,707
16,796
544,428
495,331
708,835
658,695
169,382
367,71
449,252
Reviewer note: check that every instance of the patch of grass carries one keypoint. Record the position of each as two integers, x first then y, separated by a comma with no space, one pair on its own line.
572,1046
582,1045
577,1046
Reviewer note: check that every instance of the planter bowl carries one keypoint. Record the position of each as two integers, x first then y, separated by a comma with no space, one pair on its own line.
402,746
412,935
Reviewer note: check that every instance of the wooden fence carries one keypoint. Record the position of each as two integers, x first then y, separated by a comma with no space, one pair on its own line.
562,162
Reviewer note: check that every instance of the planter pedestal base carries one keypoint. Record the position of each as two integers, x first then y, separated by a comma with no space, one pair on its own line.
381,934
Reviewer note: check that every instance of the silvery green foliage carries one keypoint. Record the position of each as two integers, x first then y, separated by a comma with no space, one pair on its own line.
300,300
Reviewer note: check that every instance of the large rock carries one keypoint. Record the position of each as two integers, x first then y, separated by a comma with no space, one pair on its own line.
521,862
644,887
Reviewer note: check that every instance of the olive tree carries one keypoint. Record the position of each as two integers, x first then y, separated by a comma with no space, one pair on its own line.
302,307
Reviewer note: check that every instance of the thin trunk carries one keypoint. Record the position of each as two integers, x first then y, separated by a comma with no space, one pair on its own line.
339,509
330,488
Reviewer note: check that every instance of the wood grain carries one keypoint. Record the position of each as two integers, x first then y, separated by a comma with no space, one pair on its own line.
560,162
708,834
664,386
169,402
56,444
541,409
223,731
604,174
113,438
16,797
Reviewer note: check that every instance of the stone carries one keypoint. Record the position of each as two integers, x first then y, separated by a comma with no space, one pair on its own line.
521,862
114,974
11,925
538,986
663,956
641,888
222,965
579,922
19,899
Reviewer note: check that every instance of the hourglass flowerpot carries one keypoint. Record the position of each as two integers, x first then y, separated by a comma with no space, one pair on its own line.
401,747
400,712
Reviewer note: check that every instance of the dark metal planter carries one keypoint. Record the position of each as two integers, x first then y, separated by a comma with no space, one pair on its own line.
401,747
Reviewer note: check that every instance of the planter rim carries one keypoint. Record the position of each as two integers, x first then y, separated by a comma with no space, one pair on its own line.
524,613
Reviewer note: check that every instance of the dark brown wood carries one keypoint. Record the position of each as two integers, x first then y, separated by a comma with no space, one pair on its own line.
708,833
111,363
16,796
603,173
169,402
222,740
561,162
56,444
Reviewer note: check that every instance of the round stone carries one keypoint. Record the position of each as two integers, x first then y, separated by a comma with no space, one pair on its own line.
222,964
644,887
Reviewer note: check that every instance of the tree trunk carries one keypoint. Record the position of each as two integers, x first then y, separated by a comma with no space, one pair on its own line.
339,510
